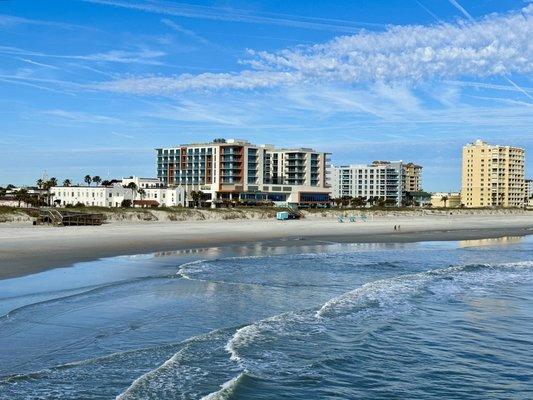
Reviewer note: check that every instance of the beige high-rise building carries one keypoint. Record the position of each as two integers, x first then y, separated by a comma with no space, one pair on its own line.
413,177
493,176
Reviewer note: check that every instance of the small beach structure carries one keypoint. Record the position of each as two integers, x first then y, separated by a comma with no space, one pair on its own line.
291,213
282,215
66,218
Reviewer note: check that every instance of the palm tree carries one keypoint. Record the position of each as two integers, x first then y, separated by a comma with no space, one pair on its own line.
444,199
97,180
88,179
133,188
40,183
21,195
53,181
142,193
196,196
67,183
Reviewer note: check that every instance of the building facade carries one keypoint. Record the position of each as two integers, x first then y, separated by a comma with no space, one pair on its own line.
113,195
529,188
446,199
379,179
390,180
412,178
236,170
492,175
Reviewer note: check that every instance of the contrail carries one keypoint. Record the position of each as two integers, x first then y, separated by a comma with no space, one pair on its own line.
518,87
429,11
461,8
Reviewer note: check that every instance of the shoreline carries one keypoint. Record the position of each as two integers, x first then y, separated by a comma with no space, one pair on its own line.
26,250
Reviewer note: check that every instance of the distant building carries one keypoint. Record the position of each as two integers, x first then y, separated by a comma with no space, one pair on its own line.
446,199
390,180
148,192
492,175
236,170
529,188
412,177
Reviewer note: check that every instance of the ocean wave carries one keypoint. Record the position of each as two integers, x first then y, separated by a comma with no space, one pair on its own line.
393,291
226,389
92,291
186,371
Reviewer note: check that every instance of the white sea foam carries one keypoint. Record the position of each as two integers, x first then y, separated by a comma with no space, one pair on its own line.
242,337
226,389
150,378
393,291
186,268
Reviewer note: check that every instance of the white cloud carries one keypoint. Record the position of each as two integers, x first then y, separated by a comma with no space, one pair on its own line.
495,46
206,81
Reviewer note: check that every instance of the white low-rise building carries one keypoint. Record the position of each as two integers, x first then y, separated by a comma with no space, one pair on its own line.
146,192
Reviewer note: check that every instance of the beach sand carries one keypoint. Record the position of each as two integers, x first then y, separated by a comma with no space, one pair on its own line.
26,249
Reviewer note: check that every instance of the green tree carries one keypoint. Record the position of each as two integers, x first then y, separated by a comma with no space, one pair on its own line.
97,180
133,187
197,197
142,193
444,199
53,181
21,195
88,179
40,183
67,183
337,201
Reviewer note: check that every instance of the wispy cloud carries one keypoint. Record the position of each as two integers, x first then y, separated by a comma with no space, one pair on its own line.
178,28
82,117
13,21
122,135
497,45
142,56
237,15
484,85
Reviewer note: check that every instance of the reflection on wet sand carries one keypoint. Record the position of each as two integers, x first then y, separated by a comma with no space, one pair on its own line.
491,242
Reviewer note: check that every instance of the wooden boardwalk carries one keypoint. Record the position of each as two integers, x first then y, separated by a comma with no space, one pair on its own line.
66,218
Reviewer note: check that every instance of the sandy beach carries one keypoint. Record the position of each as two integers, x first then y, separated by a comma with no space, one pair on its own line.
26,249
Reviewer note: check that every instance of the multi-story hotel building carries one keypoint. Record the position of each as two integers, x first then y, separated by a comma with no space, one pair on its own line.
380,179
390,180
492,175
229,170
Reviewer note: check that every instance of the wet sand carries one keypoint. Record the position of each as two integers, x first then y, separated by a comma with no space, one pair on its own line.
25,249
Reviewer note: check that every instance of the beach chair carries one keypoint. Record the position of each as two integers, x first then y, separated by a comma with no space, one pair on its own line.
363,218
352,218
341,220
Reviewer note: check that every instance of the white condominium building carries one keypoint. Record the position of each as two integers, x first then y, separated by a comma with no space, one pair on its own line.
493,176
229,170
385,179
149,192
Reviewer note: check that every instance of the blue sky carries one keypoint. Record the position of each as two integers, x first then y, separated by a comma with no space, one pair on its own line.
91,87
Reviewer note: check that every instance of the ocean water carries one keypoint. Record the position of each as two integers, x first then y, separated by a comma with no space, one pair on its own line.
433,320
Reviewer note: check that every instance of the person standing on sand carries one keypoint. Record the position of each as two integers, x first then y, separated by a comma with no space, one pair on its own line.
394,227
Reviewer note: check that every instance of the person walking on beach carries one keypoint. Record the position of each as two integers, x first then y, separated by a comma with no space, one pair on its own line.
394,227
398,227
